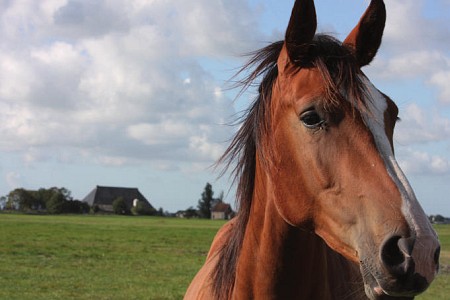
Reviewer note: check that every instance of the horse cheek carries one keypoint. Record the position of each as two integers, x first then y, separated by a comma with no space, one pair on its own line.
294,206
292,189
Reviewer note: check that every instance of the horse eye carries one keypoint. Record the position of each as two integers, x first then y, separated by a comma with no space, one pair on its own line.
311,119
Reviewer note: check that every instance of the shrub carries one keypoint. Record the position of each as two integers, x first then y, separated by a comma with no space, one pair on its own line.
120,207
76,207
142,209
94,209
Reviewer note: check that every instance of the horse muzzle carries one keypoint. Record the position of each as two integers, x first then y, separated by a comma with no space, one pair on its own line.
405,268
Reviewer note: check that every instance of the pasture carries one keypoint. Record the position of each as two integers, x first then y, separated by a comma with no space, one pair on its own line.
112,257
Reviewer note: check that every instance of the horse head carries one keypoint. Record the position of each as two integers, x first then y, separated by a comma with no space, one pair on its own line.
332,160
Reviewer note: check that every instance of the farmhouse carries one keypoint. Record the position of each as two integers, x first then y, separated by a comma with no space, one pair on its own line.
222,211
103,197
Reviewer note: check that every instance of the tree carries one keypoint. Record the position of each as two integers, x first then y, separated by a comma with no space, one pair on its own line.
220,198
76,207
21,199
56,204
204,204
56,200
65,192
43,196
120,207
190,213
160,212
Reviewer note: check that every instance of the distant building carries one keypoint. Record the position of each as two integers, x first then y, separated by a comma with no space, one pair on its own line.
439,219
188,213
103,197
222,211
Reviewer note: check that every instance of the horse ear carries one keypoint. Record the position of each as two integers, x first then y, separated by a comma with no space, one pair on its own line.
365,38
301,29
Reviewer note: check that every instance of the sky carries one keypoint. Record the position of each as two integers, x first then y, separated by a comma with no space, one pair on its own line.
136,93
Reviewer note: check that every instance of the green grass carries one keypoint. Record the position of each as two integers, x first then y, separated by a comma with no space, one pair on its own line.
106,257
110,257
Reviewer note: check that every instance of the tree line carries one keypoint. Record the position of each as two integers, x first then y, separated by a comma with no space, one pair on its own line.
59,201
56,200
53,200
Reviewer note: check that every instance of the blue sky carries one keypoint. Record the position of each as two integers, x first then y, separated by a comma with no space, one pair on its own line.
133,93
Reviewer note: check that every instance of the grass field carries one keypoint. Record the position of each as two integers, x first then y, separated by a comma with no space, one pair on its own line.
110,257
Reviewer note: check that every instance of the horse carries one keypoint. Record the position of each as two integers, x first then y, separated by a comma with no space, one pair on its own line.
325,212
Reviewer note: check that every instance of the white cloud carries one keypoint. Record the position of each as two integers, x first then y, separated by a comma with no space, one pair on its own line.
408,26
419,126
442,81
115,161
117,81
216,27
422,163
202,145
59,54
16,78
420,63
166,132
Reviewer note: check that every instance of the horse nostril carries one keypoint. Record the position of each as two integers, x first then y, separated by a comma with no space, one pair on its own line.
436,256
390,252
395,255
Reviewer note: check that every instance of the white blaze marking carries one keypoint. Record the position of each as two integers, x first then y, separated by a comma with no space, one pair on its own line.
374,120
426,238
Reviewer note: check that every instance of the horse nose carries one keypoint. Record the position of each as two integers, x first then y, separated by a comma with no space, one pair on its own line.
398,260
396,256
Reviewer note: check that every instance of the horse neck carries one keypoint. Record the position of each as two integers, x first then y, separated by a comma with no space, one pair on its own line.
281,261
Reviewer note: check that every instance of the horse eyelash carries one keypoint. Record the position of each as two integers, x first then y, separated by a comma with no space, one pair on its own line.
323,126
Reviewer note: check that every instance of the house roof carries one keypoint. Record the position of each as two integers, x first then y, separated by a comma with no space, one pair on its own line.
221,207
105,195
